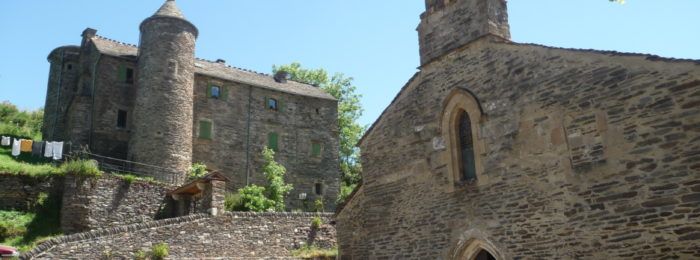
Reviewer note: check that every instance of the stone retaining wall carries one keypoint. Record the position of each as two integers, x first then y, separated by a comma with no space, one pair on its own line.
21,192
109,201
230,235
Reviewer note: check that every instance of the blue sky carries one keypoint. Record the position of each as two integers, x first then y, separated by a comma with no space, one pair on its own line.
373,41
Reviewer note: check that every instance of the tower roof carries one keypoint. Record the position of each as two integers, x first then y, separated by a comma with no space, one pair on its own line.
169,9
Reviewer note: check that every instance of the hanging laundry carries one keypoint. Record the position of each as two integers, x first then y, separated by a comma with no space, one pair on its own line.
26,145
57,150
15,147
37,148
5,141
48,151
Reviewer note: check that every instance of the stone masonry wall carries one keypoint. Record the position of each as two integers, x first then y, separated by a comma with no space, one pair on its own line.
586,155
230,235
109,201
21,192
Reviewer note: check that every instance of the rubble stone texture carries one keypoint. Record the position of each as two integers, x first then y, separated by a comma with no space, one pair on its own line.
581,154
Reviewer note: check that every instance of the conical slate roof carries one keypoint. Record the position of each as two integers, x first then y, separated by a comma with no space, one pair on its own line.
170,9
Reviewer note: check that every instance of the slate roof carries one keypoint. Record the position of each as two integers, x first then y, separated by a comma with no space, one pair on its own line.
219,70
170,9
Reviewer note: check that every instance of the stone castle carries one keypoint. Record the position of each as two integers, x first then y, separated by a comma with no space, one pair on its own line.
158,106
501,150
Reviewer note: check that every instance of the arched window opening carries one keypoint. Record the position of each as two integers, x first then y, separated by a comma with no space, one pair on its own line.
484,255
466,148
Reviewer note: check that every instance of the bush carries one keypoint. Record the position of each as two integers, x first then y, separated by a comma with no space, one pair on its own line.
253,199
129,178
276,189
316,222
85,168
140,255
318,205
233,202
159,251
198,170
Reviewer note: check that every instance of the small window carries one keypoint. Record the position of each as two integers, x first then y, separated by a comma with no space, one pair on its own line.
69,66
318,188
204,129
126,75
272,103
318,111
215,92
272,141
121,119
316,149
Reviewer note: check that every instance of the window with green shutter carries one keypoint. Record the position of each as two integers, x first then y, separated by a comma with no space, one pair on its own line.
316,149
126,75
216,91
272,141
205,129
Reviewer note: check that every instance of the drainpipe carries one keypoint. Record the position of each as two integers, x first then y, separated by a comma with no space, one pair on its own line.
92,106
247,144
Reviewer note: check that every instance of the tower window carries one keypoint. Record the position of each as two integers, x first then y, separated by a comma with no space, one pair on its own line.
204,129
272,141
121,119
69,66
129,75
318,188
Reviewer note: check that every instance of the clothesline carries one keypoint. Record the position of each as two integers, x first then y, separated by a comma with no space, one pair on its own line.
49,149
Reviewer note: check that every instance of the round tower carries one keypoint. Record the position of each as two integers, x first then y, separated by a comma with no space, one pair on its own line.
162,115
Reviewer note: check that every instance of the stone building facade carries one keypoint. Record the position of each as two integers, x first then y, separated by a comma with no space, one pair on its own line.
158,105
500,150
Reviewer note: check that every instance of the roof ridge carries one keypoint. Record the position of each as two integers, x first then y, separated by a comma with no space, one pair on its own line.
649,56
109,39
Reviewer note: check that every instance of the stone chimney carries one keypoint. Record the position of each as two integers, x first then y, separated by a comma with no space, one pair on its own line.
449,24
281,76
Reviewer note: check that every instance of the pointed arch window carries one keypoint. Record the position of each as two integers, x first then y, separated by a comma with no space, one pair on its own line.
467,167
460,121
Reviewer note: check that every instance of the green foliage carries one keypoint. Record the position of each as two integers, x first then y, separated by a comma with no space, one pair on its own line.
253,199
140,255
345,191
316,222
81,167
198,170
311,252
25,164
107,254
25,230
159,251
26,124
129,178
318,205
276,189
233,202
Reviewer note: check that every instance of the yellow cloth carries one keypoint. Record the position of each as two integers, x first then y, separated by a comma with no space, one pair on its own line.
26,145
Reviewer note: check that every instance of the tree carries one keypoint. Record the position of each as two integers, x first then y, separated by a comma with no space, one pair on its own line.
276,189
349,111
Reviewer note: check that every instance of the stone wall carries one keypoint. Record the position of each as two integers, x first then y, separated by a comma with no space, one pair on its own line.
21,192
230,235
584,154
109,201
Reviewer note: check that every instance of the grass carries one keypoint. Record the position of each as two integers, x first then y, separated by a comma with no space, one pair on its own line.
26,164
85,168
129,178
31,228
311,252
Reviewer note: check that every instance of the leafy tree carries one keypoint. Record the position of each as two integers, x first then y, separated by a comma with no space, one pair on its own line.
197,170
276,189
18,123
253,199
349,111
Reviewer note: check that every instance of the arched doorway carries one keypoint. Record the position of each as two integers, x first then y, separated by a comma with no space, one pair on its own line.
484,255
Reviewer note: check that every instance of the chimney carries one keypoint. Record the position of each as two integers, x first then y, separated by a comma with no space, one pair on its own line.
281,76
222,61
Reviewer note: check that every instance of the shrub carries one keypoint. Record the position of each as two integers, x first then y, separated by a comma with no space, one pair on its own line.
318,205
129,178
253,199
140,255
233,202
198,170
316,222
81,167
159,251
276,189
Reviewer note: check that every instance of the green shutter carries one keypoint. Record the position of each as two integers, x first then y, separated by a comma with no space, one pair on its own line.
224,92
265,102
209,90
272,141
280,105
316,149
122,74
204,130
